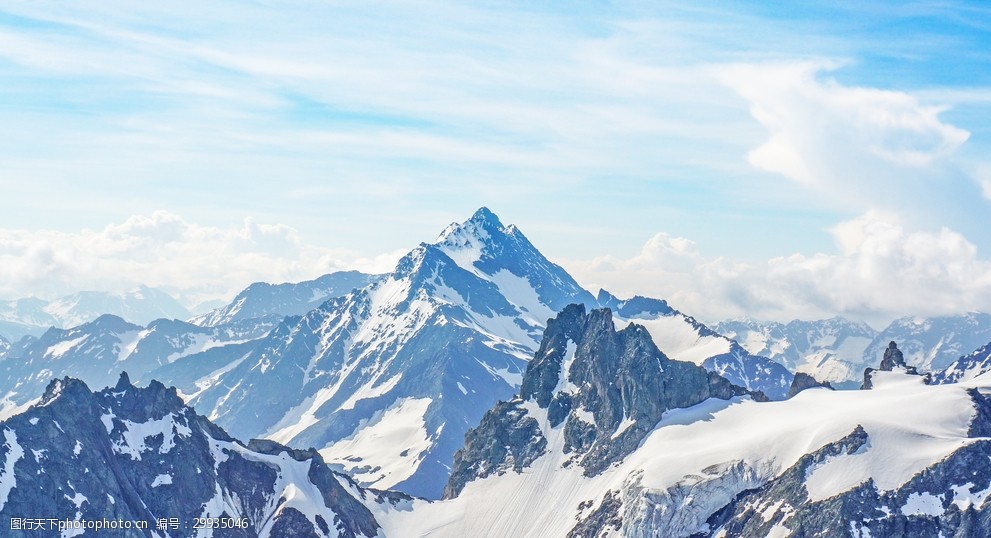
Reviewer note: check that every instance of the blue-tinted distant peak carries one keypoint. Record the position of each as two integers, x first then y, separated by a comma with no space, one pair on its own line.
484,246
486,216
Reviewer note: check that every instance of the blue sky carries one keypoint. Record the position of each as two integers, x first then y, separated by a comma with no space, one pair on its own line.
826,136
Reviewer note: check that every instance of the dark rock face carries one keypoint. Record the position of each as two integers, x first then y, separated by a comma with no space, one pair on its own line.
892,358
746,516
139,454
505,439
804,381
638,306
609,388
604,520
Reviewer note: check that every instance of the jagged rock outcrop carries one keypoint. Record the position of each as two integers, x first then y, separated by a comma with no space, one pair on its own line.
892,360
609,388
804,381
139,454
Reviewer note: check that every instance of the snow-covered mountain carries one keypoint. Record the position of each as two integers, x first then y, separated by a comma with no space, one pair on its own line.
141,306
934,343
830,350
24,317
610,438
4,346
605,389
684,338
132,456
262,299
967,367
386,380
32,316
98,351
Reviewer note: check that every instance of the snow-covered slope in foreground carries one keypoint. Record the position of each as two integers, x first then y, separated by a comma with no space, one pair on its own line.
852,455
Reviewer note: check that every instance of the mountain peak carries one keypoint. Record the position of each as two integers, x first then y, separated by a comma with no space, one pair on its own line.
484,215
472,233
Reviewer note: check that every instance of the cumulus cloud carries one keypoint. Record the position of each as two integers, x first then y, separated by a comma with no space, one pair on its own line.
163,250
881,270
858,146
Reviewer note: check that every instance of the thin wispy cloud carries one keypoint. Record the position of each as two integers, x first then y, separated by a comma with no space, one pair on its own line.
342,120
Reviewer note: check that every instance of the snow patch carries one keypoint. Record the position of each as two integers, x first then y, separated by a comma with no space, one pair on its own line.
515,379
521,293
371,390
58,350
135,434
925,504
14,454
963,497
623,426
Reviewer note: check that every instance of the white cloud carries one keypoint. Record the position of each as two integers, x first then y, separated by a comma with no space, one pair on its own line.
853,144
881,271
163,250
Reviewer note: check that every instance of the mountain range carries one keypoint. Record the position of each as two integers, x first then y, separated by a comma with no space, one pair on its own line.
837,350
582,452
607,437
478,389
415,357
262,299
33,316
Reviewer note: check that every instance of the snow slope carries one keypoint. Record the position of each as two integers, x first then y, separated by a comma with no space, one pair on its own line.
698,459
